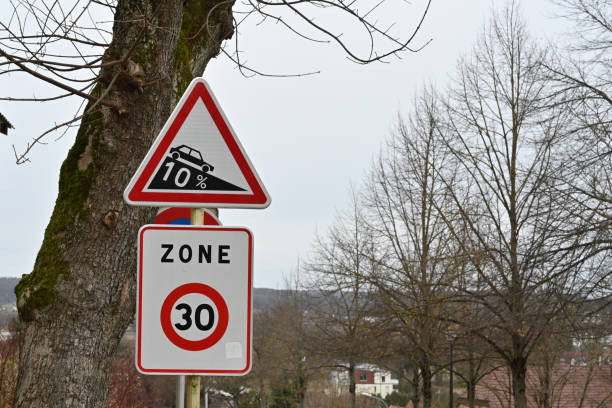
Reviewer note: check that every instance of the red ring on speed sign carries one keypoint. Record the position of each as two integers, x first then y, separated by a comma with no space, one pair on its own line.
166,316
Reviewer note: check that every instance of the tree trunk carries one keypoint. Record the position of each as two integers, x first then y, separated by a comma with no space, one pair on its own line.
351,373
302,382
415,387
548,381
470,384
471,393
426,376
80,297
519,378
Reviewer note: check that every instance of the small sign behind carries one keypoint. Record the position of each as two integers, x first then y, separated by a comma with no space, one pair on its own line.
194,300
182,216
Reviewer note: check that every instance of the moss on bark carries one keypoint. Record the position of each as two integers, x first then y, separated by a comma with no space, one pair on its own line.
195,36
36,290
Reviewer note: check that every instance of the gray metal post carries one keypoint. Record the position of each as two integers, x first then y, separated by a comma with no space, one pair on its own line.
180,391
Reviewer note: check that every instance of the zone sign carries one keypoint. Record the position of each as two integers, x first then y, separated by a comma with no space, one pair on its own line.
194,300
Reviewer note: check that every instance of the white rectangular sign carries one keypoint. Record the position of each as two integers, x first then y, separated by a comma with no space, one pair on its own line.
194,300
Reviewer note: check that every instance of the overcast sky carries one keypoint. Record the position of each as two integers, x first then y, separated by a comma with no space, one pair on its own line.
309,138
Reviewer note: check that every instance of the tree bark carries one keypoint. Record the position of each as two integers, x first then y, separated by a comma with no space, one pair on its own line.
471,393
519,379
545,392
415,387
302,382
352,387
80,297
470,384
427,394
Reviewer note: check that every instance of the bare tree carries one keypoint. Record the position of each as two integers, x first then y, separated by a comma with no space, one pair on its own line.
502,133
346,328
265,345
63,43
79,298
474,359
413,252
293,362
282,357
581,73
580,81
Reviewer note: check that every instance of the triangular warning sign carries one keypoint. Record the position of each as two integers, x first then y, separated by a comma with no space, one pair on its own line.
197,160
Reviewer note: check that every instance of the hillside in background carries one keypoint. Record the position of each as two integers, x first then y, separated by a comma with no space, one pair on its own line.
7,290
262,297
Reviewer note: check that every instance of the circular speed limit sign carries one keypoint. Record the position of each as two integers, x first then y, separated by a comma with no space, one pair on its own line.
207,315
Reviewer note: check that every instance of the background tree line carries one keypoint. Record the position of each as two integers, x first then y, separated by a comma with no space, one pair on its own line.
488,213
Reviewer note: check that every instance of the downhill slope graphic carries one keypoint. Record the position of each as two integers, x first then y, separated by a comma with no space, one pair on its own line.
185,170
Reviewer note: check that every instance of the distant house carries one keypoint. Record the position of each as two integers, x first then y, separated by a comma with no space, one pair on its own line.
5,125
369,379
5,335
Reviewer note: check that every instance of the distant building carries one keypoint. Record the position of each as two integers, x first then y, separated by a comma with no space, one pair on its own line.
369,379
5,125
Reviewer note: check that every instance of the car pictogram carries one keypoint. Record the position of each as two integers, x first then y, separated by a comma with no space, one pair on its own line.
190,157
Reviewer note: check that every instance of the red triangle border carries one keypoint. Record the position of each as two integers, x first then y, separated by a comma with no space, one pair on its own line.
137,196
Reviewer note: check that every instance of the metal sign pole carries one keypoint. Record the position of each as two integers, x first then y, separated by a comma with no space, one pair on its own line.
180,391
192,385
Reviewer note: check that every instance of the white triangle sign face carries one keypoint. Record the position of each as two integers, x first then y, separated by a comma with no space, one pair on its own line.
197,160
